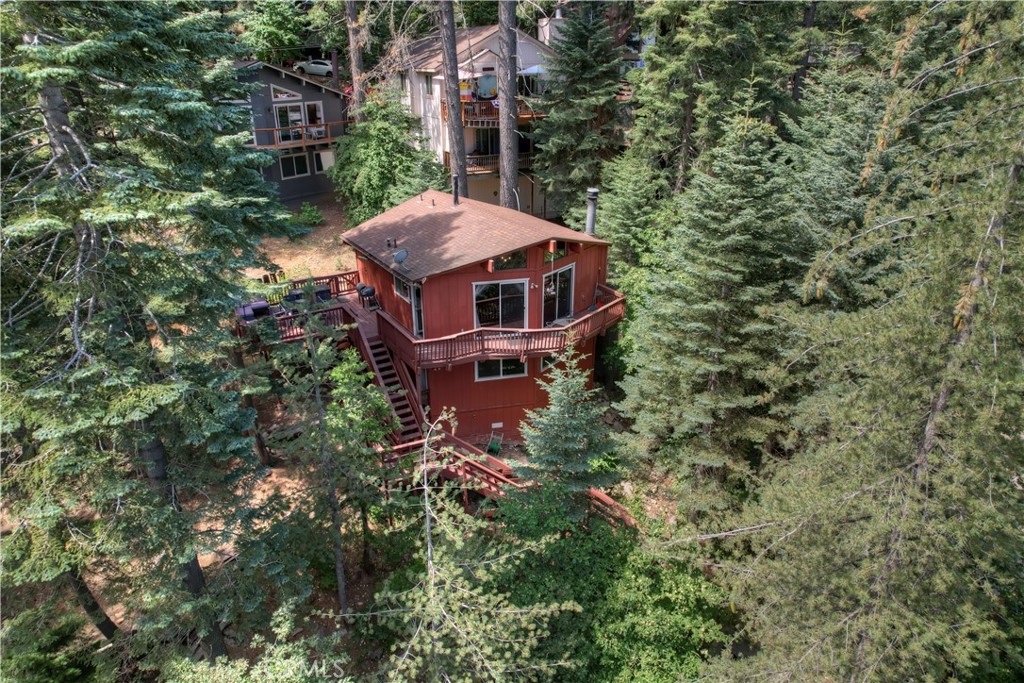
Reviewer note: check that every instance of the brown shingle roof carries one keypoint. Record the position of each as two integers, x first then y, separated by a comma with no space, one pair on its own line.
440,237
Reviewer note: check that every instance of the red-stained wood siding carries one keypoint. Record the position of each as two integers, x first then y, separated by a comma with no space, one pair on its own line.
383,281
448,298
479,405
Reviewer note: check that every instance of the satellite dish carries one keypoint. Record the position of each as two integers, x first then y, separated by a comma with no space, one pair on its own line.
401,255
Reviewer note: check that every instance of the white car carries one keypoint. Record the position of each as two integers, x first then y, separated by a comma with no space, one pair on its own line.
315,67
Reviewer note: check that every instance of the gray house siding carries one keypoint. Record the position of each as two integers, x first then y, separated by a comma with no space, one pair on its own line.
304,114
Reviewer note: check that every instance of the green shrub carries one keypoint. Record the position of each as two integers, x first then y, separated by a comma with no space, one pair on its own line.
310,215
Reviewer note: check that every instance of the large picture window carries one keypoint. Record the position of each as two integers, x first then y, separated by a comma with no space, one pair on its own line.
294,166
500,304
500,369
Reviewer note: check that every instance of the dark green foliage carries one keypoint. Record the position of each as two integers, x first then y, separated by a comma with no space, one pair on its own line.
583,120
40,647
378,165
569,445
705,54
273,31
890,547
449,619
640,619
130,202
705,335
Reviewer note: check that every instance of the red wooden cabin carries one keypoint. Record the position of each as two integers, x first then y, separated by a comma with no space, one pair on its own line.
475,299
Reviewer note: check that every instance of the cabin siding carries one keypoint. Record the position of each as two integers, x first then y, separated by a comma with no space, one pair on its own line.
262,107
480,404
382,280
448,299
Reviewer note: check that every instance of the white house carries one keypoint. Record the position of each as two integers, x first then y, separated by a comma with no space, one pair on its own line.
421,83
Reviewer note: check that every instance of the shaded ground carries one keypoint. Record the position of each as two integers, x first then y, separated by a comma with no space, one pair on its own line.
321,252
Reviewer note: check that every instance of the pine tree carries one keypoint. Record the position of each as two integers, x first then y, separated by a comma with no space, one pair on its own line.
569,445
701,340
583,121
452,623
889,548
130,201
703,56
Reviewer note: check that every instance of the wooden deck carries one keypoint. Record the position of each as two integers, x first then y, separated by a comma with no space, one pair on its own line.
491,343
299,136
484,113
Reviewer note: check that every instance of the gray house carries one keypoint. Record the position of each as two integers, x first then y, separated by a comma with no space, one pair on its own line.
301,118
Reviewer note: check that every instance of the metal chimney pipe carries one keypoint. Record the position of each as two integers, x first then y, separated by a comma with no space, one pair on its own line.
455,188
592,193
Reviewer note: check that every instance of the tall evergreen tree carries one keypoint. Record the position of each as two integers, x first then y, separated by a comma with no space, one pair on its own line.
450,66
889,548
569,445
130,201
703,56
453,623
273,31
583,120
701,343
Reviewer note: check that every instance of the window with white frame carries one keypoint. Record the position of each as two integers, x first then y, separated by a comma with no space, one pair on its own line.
294,166
500,369
322,161
279,93
402,288
428,84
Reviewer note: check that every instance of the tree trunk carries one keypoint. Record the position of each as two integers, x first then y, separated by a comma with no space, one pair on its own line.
267,459
450,67
355,59
154,456
339,552
805,61
364,515
683,163
507,107
99,618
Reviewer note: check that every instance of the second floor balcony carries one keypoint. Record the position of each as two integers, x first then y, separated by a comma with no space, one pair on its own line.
298,136
484,113
335,302
493,343
488,163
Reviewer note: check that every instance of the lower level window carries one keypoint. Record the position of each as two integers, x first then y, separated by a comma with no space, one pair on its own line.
498,369
294,166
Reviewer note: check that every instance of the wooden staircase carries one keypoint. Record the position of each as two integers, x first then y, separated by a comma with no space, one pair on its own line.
409,428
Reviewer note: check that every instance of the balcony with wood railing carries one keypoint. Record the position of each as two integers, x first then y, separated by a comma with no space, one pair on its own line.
492,343
477,164
484,113
299,136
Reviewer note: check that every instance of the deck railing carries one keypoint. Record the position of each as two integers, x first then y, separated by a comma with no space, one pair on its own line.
292,326
491,343
297,136
485,112
488,163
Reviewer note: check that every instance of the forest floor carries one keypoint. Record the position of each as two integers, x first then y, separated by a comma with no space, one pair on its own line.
319,252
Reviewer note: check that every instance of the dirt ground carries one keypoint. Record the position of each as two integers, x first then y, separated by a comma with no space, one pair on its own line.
321,252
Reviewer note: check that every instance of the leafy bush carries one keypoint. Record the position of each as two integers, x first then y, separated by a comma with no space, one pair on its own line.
310,215
379,165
